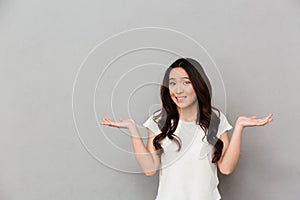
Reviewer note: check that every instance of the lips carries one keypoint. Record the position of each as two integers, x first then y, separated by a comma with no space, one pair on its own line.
180,98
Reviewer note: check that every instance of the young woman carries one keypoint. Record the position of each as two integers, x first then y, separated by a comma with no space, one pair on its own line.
188,137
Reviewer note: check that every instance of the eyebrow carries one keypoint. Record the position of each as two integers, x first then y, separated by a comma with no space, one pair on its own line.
185,77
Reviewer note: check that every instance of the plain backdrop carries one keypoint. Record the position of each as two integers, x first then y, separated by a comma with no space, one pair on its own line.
51,146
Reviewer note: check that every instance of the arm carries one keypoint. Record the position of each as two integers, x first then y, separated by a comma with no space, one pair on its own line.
231,150
146,157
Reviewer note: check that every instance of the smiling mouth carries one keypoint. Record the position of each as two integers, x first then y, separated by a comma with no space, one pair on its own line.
180,99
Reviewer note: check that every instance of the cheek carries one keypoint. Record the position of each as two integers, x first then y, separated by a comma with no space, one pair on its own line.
172,94
190,91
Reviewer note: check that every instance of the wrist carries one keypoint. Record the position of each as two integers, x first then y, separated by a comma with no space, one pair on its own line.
239,124
239,127
132,125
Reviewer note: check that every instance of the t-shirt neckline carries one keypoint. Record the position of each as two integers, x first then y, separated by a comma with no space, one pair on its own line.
187,122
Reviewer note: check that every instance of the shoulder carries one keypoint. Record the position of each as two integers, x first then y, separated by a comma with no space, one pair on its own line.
224,124
152,124
222,116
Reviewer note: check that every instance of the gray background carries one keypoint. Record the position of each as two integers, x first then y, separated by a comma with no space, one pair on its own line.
43,44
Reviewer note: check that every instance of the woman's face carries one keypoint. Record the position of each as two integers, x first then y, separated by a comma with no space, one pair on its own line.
181,89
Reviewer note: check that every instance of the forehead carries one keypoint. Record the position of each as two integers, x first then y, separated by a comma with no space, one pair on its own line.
178,73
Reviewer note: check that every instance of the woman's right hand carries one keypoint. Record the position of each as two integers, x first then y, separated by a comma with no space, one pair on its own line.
123,123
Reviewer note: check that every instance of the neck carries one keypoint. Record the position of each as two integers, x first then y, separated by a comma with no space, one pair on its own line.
188,114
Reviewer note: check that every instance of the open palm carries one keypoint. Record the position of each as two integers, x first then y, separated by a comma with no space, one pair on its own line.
123,123
253,121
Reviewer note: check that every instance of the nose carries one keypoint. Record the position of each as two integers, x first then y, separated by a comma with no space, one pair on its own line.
178,89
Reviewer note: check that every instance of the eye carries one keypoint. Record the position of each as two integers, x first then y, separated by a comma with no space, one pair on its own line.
186,82
172,83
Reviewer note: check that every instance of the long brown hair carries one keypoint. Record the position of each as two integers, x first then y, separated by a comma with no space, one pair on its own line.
168,117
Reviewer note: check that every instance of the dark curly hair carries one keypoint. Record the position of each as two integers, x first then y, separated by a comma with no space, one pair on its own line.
167,118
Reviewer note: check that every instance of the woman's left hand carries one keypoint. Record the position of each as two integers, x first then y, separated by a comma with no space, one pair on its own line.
253,121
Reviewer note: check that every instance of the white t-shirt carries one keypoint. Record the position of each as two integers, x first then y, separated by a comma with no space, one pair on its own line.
188,174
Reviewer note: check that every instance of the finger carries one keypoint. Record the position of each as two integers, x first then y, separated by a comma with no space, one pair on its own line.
270,115
264,122
105,119
113,124
267,119
105,123
108,120
257,122
270,119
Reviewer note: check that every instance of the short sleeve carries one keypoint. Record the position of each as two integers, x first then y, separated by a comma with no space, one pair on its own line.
224,125
152,125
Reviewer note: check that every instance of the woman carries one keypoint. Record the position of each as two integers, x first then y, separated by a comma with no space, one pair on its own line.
188,137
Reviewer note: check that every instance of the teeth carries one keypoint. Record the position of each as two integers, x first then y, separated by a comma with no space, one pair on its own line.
180,98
